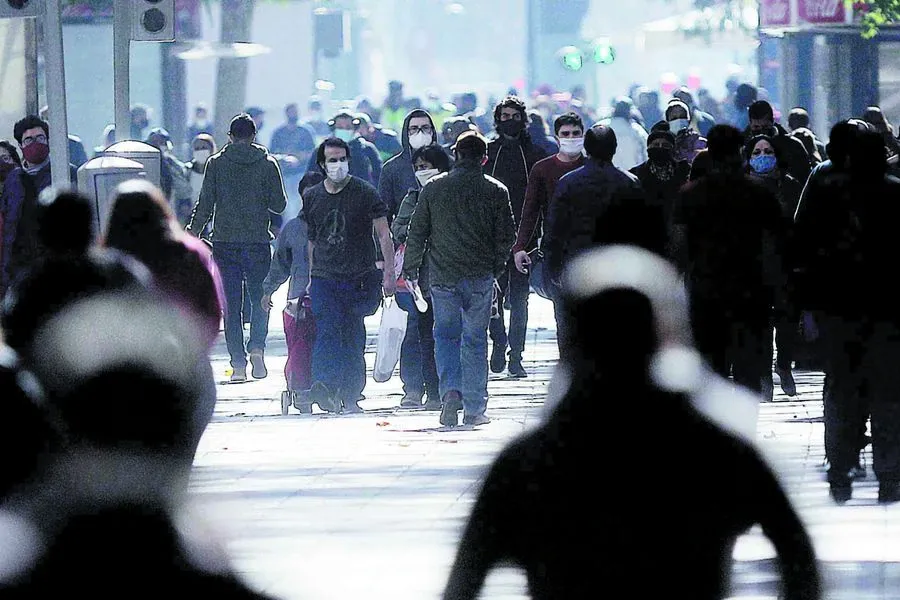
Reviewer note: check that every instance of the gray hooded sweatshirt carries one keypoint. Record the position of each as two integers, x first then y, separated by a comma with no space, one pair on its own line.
242,188
398,175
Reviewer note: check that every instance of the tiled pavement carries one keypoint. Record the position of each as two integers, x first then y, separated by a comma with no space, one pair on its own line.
372,505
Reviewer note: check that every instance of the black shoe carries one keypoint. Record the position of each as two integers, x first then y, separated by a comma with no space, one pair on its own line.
516,370
432,403
840,487
450,408
498,358
889,492
788,385
352,408
411,402
840,492
319,394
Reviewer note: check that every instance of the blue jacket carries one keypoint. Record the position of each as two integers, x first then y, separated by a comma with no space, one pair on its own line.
599,204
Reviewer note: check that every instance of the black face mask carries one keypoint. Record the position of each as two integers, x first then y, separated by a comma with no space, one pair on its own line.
511,128
660,155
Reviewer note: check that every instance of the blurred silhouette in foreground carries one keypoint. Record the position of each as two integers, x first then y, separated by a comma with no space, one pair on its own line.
668,529
72,269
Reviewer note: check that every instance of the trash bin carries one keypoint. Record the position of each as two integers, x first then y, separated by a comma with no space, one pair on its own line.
98,178
147,155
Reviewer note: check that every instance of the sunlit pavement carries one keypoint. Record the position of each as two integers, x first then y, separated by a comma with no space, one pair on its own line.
371,505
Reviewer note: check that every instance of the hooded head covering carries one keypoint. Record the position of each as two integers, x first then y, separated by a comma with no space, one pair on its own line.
404,135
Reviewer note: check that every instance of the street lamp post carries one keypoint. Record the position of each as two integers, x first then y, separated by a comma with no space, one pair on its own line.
56,95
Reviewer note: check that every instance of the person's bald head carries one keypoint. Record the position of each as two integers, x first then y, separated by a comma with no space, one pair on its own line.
600,143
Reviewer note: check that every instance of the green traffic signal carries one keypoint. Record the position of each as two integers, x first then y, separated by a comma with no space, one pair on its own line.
604,53
572,58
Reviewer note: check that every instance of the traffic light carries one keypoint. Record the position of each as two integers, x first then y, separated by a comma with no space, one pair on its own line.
604,53
572,58
153,20
21,8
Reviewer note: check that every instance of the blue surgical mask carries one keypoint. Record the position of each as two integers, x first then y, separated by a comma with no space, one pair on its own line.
763,163
344,134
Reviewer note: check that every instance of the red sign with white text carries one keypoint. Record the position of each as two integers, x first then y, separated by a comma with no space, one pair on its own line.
823,11
774,12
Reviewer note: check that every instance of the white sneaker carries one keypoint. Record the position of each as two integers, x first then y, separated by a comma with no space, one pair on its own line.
259,370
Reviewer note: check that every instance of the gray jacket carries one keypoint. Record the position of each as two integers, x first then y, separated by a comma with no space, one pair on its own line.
242,187
291,260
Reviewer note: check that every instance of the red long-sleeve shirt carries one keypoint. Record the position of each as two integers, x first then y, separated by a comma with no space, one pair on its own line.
541,185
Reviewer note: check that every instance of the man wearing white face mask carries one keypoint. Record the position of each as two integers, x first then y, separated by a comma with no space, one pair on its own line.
398,176
345,286
688,142
365,161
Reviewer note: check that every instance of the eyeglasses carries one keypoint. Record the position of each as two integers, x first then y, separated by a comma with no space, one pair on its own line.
426,129
41,138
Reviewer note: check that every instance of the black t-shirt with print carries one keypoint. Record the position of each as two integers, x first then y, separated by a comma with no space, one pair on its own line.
340,229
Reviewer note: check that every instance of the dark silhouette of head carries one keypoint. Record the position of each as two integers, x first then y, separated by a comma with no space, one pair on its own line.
840,142
798,118
724,144
600,143
66,223
868,157
141,219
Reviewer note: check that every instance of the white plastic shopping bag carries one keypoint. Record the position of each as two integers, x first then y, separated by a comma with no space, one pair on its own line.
390,338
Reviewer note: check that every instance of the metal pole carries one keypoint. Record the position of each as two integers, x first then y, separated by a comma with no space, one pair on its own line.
121,67
56,95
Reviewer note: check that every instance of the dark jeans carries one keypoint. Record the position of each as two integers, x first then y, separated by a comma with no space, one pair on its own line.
787,332
861,362
515,287
735,344
340,308
417,367
461,316
239,263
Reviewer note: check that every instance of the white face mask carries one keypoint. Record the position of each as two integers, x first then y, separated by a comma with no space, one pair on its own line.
677,125
419,140
337,172
201,156
424,175
571,146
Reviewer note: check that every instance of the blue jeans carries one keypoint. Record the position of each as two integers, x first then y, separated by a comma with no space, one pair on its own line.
340,308
417,368
462,314
239,263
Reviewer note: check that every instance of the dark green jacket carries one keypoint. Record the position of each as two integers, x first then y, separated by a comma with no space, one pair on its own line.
242,188
465,220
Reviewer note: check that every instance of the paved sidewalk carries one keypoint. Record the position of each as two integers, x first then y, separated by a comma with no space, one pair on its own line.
371,505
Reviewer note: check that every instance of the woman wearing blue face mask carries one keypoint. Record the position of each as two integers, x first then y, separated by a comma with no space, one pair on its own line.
765,167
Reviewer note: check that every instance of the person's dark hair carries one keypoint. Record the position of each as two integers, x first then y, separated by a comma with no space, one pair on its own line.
434,155
140,222
622,107
242,127
798,118
470,146
700,166
535,120
868,156
620,319
510,102
600,143
29,122
680,105
753,141
331,142
761,110
13,151
724,143
840,141
65,222
809,142
570,118
745,95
